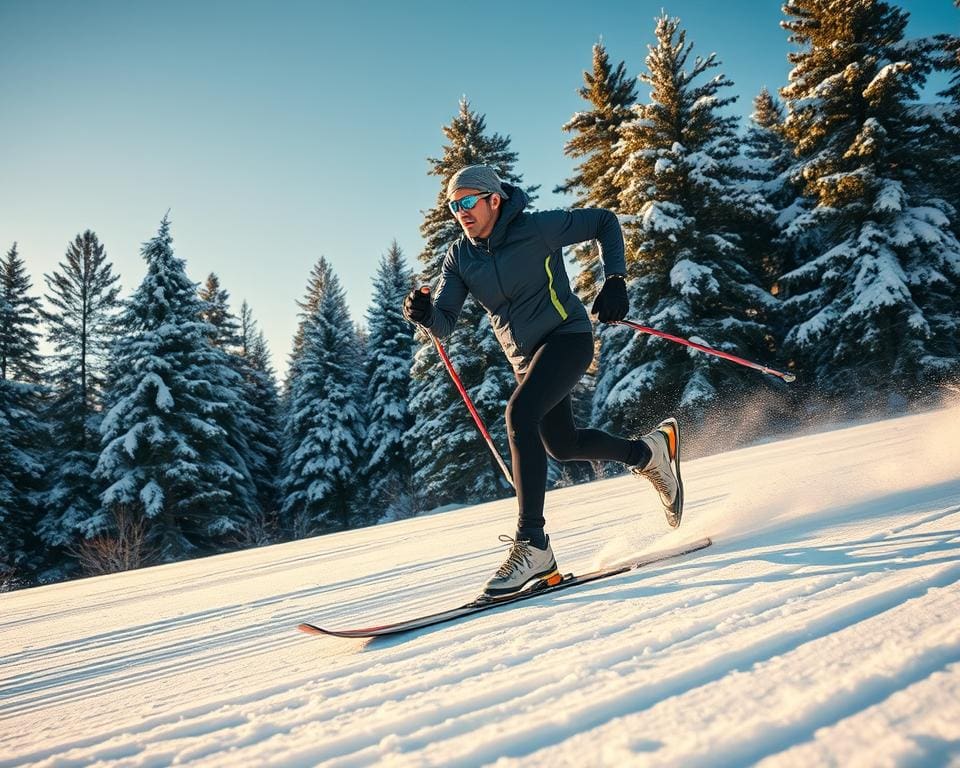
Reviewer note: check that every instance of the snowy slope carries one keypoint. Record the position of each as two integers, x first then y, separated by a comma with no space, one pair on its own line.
823,627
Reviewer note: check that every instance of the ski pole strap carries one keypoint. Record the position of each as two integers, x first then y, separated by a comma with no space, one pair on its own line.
470,407
788,377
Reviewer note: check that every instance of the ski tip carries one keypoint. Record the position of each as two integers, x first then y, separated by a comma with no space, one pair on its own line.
310,629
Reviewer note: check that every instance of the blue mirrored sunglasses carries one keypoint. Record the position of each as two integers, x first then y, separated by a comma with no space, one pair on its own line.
466,203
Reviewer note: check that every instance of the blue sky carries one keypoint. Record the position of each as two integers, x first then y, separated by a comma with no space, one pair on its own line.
277,132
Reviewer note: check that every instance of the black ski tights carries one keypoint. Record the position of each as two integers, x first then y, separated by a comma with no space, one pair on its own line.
540,419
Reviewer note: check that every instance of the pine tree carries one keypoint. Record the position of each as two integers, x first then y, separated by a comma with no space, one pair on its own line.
216,312
324,430
20,358
23,438
83,294
610,94
689,274
390,354
316,285
256,422
169,437
873,308
946,123
457,465
23,433
263,437
769,161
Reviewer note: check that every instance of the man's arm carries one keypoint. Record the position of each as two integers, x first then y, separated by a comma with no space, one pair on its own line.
561,228
451,293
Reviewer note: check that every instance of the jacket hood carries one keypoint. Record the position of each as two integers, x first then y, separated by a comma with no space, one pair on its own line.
512,207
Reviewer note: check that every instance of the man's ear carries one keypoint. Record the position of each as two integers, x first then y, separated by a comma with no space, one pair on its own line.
495,201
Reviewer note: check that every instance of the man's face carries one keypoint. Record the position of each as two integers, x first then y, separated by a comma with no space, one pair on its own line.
479,220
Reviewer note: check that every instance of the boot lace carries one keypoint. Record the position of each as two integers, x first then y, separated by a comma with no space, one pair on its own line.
518,557
657,477
659,481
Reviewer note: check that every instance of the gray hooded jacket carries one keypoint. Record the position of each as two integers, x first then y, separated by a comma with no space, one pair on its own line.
519,277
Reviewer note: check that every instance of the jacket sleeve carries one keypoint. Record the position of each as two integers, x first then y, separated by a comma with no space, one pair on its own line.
561,228
450,295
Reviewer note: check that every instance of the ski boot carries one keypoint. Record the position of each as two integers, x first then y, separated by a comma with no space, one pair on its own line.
663,469
524,564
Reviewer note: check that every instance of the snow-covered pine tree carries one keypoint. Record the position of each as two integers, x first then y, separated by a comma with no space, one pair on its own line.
23,440
689,276
388,472
596,131
83,296
947,121
20,357
256,435
874,309
23,432
324,429
216,312
451,460
263,405
169,454
769,159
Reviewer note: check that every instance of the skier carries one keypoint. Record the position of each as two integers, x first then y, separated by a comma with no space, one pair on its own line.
511,262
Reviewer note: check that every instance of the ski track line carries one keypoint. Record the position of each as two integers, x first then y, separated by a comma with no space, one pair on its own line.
85,679
149,725
896,727
858,658
99,642
845,704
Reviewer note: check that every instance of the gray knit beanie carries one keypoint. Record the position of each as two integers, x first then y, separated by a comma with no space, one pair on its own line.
481,177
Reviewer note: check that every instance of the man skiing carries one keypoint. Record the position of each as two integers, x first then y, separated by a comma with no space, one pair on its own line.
511,261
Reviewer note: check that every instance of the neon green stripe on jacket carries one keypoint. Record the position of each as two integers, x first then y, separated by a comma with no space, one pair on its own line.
553,294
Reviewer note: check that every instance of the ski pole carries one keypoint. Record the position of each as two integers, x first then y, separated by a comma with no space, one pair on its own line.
469,403
788,377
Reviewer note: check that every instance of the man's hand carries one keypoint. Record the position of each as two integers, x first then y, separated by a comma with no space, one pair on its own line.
611,303
418,308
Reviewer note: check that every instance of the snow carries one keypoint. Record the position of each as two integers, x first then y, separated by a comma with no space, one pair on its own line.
662,216
887,72
663,165
822,628
689,278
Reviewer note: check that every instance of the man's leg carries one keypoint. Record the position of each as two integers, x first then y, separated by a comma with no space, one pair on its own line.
565,442
540,412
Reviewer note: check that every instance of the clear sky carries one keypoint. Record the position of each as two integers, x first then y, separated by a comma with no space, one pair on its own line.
277,132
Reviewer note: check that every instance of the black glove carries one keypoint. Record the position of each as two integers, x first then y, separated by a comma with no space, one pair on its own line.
611,303
418,308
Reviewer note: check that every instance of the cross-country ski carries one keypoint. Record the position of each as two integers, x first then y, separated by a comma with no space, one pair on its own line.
479,605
